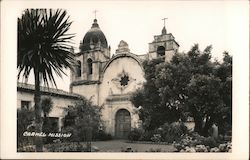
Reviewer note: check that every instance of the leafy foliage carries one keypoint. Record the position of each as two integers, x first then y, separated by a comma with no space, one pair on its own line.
196,143
25,118
135,134
66,147
83,119
47,105
43,44
190,84
172,132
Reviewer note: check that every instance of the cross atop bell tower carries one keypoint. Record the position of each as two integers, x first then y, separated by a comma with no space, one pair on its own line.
164,19
164,45
164,31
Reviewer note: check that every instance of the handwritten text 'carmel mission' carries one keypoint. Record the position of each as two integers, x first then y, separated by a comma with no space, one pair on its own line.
42,134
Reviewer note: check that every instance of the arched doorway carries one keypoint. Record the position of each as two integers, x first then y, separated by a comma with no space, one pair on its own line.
122,124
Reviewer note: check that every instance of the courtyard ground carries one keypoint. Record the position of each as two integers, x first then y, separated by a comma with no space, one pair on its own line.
119,145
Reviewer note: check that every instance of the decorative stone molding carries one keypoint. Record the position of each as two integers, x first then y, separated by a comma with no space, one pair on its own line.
85,82
122,48
123,80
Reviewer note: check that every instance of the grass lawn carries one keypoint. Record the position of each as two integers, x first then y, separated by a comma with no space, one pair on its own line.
119,145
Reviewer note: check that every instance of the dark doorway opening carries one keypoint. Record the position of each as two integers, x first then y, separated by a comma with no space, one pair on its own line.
122,124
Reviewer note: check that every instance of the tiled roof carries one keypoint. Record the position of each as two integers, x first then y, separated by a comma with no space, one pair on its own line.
46,90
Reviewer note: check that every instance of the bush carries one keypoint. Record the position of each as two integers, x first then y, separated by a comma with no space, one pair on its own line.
101,136
209,141
196,143
147,135
27,148
166,133
156,138
74,135
50,125
25,120
172,132
83,121
135,134
66,147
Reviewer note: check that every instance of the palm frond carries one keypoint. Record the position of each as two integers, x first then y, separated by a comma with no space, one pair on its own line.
44,44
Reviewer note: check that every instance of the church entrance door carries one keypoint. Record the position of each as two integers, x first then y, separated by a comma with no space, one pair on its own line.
122,124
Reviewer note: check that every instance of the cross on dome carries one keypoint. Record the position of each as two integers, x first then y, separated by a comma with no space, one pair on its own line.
95,11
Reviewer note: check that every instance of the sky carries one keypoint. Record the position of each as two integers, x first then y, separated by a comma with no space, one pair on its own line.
216,23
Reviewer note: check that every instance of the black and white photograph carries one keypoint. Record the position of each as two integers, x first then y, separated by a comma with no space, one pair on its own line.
130,79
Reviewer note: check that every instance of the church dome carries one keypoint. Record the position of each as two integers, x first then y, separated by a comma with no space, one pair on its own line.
94,37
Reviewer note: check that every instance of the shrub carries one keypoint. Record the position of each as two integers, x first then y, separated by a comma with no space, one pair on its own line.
209,141
102,136
135,134
25,121
147,135
50,124
74,134
28,148
201,144
66,147
172,132
83,121
156,138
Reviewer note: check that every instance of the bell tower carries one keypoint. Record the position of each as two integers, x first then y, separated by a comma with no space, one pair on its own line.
94,54
163,45
94,51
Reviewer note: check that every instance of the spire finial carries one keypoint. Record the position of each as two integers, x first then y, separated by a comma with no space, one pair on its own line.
95,12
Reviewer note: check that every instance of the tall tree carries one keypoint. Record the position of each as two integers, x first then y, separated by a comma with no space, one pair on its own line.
224,72
190,84
44,47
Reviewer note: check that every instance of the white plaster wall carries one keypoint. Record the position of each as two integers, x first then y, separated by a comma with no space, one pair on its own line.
169,55
89,91
129,65
25,96
108,88
59,104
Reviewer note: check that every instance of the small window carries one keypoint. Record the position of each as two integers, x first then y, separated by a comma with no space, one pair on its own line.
78,69
90,66
25,105
124,80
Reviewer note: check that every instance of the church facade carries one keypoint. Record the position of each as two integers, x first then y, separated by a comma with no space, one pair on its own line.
109,81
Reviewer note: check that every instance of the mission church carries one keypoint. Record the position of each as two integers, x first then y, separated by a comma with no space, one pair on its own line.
108,81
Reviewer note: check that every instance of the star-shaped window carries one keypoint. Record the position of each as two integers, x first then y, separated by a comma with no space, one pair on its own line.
124,80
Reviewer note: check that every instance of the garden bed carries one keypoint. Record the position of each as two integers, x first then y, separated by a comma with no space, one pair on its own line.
149,142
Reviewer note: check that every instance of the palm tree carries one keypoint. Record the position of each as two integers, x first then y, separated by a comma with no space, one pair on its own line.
44,47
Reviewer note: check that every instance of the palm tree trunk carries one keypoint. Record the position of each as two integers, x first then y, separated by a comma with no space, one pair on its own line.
38,112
